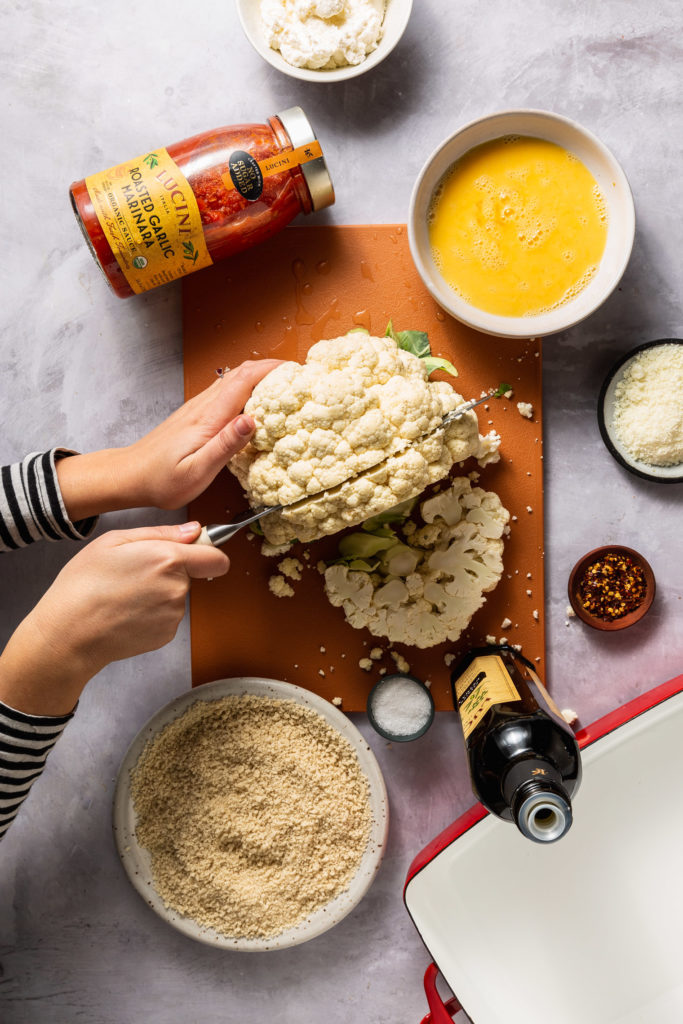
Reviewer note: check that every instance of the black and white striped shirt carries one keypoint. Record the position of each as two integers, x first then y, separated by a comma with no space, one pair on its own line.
31,508
31,505
25,742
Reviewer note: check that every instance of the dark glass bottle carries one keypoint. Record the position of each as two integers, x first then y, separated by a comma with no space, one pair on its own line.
523,758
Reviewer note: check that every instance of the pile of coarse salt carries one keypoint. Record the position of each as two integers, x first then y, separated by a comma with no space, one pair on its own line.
648,406
401,706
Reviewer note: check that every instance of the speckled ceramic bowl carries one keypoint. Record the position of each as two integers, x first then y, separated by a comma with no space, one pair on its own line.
396,18
136,860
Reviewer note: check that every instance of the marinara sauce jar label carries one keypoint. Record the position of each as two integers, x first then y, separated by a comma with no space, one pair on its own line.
176,209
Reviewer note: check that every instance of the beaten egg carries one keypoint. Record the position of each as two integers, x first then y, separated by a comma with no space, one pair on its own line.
517,226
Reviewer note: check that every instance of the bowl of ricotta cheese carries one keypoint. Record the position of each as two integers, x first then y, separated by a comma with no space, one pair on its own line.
324,40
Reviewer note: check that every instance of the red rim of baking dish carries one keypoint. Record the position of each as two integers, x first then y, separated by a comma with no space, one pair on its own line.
442,1012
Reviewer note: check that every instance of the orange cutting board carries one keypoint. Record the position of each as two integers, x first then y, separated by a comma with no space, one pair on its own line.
277,300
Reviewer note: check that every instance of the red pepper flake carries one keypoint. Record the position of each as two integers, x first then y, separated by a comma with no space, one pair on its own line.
611,587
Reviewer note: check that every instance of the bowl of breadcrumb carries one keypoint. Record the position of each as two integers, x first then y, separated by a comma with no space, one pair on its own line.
640,411
324,40
250,814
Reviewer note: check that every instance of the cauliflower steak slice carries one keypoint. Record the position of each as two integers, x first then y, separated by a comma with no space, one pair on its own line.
459,560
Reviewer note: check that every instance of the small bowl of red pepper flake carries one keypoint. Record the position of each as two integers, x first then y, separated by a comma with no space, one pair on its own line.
611,587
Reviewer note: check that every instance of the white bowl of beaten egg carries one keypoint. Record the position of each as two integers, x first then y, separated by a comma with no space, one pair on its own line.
521,224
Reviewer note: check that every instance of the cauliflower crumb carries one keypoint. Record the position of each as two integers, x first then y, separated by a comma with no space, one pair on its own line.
535,614
274,550
508,394
528,593
529,508
448,660
321,567
322,650
506,623
291,567
428,684
569,612
376,653
337,701
503,641
401,663
491,640
570,717
365,664
516,647
525,409
279,586
382,671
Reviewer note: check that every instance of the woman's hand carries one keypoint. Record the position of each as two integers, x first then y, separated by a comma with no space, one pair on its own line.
176,461
122,595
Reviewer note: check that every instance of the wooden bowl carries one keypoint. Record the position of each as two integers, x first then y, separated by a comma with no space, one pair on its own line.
609,625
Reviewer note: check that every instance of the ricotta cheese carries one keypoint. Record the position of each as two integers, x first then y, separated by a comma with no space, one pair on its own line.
648,407
323,34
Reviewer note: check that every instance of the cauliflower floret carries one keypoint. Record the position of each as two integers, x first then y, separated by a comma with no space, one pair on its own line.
353,407
279,586
292,568
460,560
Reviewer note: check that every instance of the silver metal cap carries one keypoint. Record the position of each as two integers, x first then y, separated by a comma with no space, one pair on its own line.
315,172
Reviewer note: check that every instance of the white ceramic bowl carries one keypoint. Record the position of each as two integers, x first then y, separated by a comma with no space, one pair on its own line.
396,18
613,185
136,859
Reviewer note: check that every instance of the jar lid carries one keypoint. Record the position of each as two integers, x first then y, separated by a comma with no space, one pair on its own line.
315,172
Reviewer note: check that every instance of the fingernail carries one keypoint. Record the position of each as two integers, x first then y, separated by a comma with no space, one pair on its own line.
244,426
188,528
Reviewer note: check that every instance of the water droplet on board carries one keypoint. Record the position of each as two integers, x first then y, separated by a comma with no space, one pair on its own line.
302,315
439,315
366,271
258,326
319,327
362,319
323,267
218,327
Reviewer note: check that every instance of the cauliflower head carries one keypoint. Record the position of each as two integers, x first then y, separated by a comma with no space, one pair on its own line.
427,589
352,408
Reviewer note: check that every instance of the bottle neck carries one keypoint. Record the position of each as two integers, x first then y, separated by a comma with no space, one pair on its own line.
540,805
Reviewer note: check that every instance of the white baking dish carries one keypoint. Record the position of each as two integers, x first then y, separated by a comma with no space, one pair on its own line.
586,930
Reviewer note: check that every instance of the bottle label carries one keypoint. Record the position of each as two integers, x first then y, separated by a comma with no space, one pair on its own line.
151,219
246,174
484,682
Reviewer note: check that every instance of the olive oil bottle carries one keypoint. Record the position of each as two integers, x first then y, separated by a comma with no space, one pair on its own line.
523,758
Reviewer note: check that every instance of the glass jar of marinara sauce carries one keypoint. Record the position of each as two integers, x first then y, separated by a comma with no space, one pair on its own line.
177,209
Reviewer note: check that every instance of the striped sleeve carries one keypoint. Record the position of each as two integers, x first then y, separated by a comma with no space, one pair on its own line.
31,503
25,742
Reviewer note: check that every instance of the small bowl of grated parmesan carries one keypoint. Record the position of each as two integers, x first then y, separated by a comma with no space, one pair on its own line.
250,814
324,40
640,411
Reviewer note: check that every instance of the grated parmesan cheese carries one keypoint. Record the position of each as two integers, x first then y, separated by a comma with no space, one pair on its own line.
648,410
